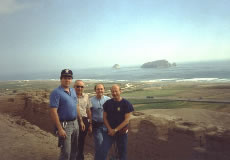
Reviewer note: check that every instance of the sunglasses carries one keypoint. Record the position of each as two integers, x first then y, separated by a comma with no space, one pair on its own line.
79,86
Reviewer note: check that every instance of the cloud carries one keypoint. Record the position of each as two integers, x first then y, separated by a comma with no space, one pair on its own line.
12,6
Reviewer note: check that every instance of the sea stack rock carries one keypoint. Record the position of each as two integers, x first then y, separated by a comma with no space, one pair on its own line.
174,64
116,66
158,64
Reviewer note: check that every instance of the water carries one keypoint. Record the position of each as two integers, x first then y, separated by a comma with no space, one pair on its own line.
205,71
199,71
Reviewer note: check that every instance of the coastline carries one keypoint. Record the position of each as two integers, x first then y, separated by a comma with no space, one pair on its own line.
211,79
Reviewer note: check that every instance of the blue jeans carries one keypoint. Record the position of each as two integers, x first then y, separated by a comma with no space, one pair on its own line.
69,148
98,139
120,142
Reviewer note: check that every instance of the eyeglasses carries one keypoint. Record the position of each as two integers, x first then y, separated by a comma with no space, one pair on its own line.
79,86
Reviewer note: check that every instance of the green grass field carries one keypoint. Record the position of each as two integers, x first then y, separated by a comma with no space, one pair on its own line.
166,104
153,92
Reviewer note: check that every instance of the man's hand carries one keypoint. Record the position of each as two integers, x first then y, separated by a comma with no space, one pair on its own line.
62,133
90,129
82,125
111,132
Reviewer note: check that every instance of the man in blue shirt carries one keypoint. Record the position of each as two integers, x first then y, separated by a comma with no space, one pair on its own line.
117,113
63,110
97,119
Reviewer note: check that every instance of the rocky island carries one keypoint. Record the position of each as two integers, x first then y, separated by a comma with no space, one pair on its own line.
116,66
158,64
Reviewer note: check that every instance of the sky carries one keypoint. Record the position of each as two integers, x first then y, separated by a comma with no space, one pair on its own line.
39,35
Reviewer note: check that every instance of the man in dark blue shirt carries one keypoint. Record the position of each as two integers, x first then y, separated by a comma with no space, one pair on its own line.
116,116
64,111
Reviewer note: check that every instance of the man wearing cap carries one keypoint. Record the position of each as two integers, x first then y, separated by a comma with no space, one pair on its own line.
116,116
63,110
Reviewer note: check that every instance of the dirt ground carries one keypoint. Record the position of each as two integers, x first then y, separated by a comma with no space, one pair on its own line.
21,140
203,117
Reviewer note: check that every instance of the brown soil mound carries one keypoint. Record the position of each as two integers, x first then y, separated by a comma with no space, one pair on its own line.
22,141
202,117
178,134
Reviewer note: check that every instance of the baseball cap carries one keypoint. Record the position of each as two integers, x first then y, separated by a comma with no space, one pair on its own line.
66,73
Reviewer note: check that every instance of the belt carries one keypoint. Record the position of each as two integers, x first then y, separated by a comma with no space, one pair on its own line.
100,123
68,120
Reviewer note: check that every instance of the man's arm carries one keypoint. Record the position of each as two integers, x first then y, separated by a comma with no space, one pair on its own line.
113,131
88,110
80,118
89,115
106,122
55,118
125,122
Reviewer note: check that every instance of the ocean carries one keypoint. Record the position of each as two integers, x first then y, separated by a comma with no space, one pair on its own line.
218,71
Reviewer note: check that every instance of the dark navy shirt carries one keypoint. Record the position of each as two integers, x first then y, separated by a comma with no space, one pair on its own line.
66,103
116,111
